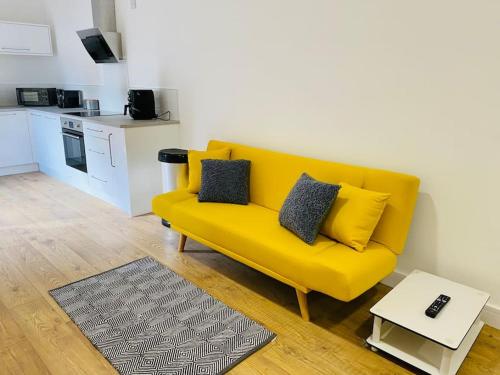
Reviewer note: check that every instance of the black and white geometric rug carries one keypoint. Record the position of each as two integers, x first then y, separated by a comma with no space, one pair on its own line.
146,319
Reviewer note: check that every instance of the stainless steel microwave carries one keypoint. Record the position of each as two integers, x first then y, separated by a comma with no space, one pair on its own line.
36,96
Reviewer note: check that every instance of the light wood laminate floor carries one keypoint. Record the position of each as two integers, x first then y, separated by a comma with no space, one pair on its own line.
52,234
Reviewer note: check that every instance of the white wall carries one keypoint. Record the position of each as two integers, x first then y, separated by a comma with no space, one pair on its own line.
403,85
73,63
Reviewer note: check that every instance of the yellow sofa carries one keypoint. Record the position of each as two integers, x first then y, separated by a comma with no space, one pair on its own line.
252,234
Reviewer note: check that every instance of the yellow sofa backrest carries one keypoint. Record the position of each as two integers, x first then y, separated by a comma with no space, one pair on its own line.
272,175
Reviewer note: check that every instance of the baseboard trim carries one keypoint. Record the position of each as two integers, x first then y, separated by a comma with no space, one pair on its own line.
17,169
491,313
393,279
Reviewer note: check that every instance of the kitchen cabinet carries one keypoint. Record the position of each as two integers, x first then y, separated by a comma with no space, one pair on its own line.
37,139
55,151
123,165
25,39
106,163
48,147
15,146
122,160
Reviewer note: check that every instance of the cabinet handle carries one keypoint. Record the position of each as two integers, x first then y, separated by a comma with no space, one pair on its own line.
16,49
98,179
7,114
50,118
110,152
96,152
36,115
94,130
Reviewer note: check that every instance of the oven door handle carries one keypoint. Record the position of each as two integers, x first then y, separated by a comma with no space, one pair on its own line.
71,136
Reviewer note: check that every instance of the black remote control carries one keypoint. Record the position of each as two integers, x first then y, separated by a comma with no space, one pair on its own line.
437,306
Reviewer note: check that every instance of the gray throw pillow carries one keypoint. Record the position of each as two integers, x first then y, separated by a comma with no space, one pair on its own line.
306,207
225,181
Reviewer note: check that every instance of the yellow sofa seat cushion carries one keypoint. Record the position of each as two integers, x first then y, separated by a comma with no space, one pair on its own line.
345,274
254,234
194,162
354,216
162,204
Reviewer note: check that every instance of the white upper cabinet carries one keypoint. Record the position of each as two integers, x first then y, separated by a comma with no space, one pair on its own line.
25,39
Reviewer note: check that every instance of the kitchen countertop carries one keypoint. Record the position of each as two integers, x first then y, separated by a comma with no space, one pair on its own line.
121,121
117,121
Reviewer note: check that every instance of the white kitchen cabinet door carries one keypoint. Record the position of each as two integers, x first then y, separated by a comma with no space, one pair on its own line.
106,164
48,146
119,170
55,144
25,39
37,139
99,166
15,145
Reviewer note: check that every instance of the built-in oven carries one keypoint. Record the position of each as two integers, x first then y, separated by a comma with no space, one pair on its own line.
74,145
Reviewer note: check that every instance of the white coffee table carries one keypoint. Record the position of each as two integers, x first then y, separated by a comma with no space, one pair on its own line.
439,345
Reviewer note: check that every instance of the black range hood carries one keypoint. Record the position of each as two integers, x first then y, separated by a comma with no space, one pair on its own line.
102,42
103,47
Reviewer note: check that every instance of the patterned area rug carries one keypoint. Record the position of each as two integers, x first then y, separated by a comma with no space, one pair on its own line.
146,319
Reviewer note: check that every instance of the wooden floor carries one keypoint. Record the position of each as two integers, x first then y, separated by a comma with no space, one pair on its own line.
52,234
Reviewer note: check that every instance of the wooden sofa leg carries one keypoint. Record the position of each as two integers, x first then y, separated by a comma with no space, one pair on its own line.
304,309
182,242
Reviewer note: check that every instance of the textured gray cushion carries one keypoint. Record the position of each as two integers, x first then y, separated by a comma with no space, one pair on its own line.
307,206
224,181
